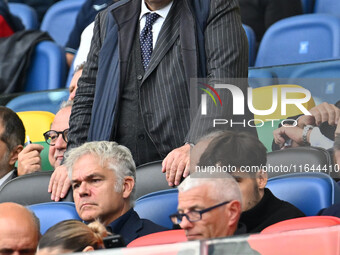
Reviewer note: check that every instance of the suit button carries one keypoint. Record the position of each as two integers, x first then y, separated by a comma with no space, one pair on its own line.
139,77
141,137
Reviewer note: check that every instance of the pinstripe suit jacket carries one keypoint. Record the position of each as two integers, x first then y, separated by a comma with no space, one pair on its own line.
95,110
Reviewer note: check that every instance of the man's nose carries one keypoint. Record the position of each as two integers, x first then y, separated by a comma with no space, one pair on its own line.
60,143
83,189
185,223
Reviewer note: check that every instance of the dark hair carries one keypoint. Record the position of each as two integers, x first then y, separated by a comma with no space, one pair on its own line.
235,149
14,130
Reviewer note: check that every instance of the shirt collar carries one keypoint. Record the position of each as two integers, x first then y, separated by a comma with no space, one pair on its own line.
161,12
5,177
116,225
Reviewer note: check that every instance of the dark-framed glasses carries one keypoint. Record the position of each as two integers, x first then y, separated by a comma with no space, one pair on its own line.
51,136
193,216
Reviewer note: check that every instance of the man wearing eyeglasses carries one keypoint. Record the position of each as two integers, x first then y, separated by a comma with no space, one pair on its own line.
29,159
208,207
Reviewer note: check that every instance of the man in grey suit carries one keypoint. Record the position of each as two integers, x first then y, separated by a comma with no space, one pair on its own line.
138,95
12,138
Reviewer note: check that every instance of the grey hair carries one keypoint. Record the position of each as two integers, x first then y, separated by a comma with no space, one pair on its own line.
222,189
115,157
66,104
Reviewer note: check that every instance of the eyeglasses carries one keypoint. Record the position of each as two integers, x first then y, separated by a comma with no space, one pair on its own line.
51,136
193,216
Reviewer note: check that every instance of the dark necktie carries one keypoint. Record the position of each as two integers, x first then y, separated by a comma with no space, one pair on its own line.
146,38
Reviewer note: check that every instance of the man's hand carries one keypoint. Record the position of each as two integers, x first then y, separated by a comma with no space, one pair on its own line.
59,183
290,132
175,164
321,113
29,160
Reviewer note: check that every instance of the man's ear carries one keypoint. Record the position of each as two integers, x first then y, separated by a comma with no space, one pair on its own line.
128,185
261,179
13,157
235,210
88,248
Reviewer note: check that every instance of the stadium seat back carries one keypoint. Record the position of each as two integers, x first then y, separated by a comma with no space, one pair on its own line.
298,39
164,237
310,192
302,223
302,159
47,69
36,123
158,206
60,19
27,15
52,213
327,6
322,80
48,101
263,100
149,178
29,189
251,43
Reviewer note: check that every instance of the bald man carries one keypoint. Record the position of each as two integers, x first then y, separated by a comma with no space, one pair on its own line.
19,230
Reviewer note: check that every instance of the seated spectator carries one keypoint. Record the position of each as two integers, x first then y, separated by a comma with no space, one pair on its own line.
29,160
205,213
261,14
317,129
12,137
103,176
74,82
242,156
71,236
19,230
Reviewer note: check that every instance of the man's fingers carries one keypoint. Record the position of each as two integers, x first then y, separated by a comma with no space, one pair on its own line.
50,185
187,169
180,172
59,188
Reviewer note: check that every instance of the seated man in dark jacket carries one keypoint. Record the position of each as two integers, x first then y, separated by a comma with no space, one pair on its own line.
103,176
243,156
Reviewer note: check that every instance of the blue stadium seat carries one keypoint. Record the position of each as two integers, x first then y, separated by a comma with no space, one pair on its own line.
310,192
307,6
48,101
298,39
51,213
27,15
60,18
327,6
48,68
143,174
322,79
157,206
251,42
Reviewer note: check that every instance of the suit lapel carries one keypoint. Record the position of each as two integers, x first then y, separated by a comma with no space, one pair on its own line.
166,38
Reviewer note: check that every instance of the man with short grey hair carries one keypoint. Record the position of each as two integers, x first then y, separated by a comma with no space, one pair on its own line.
208,207
103,177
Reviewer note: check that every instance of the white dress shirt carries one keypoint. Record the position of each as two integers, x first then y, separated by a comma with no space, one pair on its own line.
156,27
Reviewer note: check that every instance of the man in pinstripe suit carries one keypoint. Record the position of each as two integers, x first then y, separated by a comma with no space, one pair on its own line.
147,109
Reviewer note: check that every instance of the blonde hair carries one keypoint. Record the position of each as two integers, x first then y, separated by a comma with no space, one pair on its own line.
74,235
